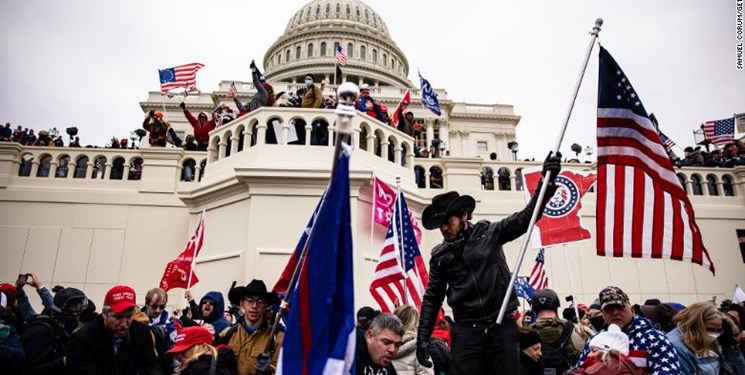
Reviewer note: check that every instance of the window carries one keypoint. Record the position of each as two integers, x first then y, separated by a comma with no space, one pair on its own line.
349,9
338,8
375,55
363,53
481,146
297,53
328,8
385,59
350,50
318,10
393,64
323,49
367,15
287,56
358,11
336,48
310,50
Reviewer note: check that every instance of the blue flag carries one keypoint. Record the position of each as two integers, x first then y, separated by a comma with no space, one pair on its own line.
320,336
429,98
523,289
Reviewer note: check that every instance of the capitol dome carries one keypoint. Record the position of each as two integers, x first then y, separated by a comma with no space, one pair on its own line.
312,34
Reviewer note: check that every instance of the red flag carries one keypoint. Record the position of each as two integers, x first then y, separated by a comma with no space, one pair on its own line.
176,274
642,210
384,200
404,105
560,222
396,283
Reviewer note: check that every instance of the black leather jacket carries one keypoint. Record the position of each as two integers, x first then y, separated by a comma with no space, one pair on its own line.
472,270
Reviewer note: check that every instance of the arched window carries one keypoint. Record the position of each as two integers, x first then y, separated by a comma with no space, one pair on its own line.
682,179
367,15
419,176
503,179
297,53
393,64
357,10
487,178
25,168
287,56
135,169
363,53
187,170
385,59
727,186
328,8
318,10
323,48
99,167
63,167
81,166
117,168
435,178
338,8
336,47
711,184
45,164
375,56
349,9
696,185
310,50
350,50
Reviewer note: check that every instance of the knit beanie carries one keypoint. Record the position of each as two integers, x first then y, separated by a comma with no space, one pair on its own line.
529,339
612,339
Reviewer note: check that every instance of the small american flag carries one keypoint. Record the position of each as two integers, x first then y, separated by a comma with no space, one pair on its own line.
642,211
341,57
182,76
232,90
667,142
538,279
720,132
393,283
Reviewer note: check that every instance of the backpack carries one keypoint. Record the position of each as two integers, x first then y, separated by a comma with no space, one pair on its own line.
555,359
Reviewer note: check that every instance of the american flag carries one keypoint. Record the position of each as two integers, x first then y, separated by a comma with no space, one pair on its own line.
232,90
538,279
720,132
667,142
182,76
642,210
341,57
388,281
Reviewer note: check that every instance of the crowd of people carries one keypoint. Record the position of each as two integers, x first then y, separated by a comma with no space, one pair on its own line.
729,156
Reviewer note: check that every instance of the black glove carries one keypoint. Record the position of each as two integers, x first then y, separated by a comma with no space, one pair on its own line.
422,352
553,164
264,364
151,113
182,105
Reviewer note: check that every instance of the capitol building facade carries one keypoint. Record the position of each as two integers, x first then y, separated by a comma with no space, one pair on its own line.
90,224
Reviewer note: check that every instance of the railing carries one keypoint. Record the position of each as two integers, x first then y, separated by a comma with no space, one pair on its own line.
311,127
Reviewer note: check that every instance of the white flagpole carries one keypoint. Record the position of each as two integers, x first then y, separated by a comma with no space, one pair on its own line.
571,281
400,238
503,309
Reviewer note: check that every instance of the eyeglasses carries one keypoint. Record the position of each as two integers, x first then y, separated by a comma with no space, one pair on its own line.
258,301
158,307
208,302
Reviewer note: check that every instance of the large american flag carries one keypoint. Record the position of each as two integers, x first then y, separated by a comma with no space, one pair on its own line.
388,281
341,57
182,76
538,279
642,210
720,132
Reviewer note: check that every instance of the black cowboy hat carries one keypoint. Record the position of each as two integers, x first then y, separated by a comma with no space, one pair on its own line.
445,205
255,288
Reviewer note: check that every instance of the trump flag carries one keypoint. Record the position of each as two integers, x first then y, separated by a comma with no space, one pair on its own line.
560,223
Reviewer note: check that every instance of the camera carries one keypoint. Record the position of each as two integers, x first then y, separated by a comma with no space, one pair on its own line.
25,279
72,131
569,298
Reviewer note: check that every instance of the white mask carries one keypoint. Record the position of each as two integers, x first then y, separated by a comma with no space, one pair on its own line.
308,83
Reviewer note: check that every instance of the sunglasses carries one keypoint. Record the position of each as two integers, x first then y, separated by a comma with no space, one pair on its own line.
158,307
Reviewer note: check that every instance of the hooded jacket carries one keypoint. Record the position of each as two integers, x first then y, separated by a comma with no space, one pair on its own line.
472,270
406,362
201,131
216,318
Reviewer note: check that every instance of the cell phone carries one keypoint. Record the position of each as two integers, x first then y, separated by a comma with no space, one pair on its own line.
22,279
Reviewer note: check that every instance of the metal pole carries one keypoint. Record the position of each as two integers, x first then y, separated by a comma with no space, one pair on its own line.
593,36
571,281
347,95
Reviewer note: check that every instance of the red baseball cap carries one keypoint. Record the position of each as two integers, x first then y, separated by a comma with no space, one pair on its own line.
189,337
120,298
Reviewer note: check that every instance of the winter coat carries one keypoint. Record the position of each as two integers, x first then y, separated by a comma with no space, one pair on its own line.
260,99
595,366
217,318
91,351
11,351
226,364
530,367
247,346
157,129
312,98
45,342
201,131
364,363
472,270
648,348
405,361
690,363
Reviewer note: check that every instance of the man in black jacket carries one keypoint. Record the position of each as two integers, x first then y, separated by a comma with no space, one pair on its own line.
469,266
113,343
47,335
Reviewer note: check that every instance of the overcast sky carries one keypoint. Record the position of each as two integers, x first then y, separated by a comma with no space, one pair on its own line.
89,63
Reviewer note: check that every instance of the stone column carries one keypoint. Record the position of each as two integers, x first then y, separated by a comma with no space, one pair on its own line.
397,155
53,169
34,168
426,178
430,123
107,171
384,149
222,147
371,143
445,134
308,130
261,133
234,140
